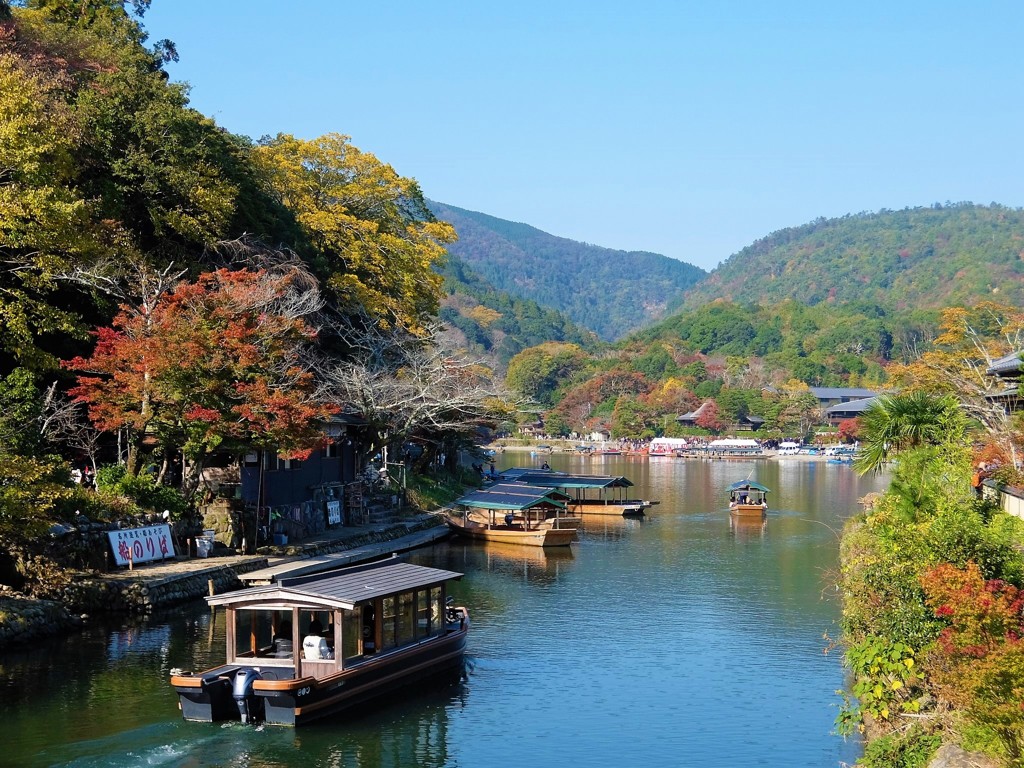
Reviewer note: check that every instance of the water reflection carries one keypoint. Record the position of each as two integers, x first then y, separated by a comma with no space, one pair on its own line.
612,527
538,565
746,527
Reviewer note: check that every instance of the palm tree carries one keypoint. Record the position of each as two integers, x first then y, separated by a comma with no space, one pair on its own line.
896,423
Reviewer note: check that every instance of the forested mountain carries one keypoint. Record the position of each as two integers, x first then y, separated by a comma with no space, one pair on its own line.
495,325
913,258
611,292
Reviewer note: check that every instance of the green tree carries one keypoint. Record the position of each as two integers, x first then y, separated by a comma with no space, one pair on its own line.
537,372
897,423
377,241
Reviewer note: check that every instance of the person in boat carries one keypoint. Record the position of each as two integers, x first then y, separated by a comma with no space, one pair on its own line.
509,519
314,644
545,465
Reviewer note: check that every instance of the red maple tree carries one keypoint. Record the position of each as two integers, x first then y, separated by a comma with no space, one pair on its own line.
212,364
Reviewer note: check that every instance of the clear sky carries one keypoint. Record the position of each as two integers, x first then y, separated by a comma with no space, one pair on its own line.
685,128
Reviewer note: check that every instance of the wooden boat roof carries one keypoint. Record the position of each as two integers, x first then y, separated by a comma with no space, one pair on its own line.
514,496
748,485
344,588
552,479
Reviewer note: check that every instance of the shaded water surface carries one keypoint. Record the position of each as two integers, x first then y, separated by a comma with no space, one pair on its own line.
677,640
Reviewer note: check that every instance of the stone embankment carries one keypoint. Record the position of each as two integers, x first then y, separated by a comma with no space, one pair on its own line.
23,619
149,587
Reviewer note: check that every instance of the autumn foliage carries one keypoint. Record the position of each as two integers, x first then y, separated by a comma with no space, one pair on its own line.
977,663
213,363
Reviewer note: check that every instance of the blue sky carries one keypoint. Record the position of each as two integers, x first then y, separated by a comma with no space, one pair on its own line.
688,129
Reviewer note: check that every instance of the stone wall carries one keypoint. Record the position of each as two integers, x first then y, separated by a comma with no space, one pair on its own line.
23,619
142,594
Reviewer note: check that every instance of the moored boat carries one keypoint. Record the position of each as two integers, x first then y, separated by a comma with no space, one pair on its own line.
747,498
365,631
589,494
513,513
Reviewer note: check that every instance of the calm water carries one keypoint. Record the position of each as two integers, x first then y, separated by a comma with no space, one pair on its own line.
678,640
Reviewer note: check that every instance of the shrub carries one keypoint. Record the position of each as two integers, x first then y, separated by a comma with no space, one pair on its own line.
884,683
142,489
977,662
910,749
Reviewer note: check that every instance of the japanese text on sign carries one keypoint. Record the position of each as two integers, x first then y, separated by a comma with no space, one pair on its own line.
140,545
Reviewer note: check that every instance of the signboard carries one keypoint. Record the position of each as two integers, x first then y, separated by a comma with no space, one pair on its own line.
333,512
140,545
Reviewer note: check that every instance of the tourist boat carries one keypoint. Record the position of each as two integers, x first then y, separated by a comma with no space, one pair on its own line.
514,513
313,646
747,498
589,494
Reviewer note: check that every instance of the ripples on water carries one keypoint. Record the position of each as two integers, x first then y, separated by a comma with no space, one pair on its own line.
679,640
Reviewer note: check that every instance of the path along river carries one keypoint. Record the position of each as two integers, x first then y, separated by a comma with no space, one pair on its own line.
678,640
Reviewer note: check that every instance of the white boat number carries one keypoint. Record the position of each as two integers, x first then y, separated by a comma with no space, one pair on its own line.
303,691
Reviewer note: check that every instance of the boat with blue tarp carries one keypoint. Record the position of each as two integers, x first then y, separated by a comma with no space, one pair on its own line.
515,513
589,494
747,498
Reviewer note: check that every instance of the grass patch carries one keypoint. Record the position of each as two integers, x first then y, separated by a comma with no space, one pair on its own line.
429,492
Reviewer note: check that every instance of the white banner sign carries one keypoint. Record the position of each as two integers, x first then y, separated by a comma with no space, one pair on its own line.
333,512
140,545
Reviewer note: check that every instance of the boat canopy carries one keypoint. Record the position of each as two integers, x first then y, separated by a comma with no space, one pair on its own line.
562,480
748,485
514,496
345,588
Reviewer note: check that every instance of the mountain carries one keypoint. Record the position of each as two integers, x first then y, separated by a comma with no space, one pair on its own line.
494,325
914,258
611,292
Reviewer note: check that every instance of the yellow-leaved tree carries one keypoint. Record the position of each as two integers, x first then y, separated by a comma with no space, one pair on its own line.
376,238
971,340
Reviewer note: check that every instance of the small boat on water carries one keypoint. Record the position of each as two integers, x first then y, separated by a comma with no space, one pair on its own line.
313,646
747,498
589,494
514,513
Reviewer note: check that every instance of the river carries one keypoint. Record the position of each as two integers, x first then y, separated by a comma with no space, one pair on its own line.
675,640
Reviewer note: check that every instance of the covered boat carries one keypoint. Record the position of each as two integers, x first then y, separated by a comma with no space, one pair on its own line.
514,513
309,647
748,498
589,494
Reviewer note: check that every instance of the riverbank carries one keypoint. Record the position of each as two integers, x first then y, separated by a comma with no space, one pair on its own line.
151,587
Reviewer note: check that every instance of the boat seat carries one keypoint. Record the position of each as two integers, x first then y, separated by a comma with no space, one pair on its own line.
282,648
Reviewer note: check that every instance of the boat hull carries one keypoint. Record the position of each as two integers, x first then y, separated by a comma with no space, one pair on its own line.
614,509
748,510
538,537
294,701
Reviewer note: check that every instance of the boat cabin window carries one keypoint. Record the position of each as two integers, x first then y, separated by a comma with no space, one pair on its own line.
352,633
406,628
411,616
436,607
388,623
265,634
424,625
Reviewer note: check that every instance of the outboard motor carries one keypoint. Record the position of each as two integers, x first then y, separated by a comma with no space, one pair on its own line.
243,694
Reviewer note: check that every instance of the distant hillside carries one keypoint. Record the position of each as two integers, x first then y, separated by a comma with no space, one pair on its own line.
611,292
494,325
914,258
